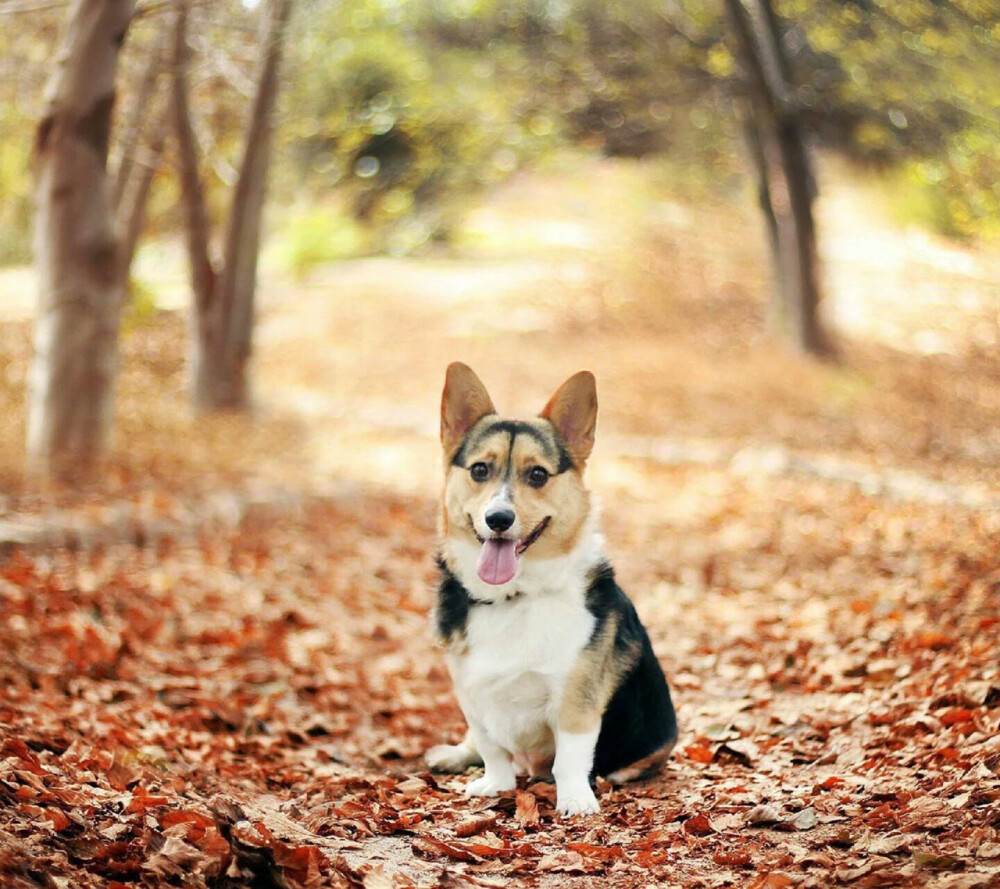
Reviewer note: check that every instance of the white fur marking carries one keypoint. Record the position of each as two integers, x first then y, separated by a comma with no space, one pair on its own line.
574,760
511,674
498,773
453,757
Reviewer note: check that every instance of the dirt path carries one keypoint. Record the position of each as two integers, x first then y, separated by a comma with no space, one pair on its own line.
664,302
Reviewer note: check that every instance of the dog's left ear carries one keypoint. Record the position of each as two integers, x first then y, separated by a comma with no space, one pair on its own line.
464,402
573,411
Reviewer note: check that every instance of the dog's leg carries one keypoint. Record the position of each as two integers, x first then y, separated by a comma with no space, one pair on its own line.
571,769
453,757
499,770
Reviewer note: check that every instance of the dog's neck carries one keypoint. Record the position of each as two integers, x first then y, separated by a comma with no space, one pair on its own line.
563,574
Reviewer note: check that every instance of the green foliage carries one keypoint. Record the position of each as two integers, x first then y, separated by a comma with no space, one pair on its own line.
141,304
403,132
312,237
913,86
15,190
395,115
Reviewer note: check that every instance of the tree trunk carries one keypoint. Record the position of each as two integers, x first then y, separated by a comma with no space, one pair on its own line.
785,183
224,297
140,159
76,254
205,320
135,125
130,213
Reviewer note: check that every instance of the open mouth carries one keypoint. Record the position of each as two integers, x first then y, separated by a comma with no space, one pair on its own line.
498,558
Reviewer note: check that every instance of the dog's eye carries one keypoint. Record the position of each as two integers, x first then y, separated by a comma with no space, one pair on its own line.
537,476
480,472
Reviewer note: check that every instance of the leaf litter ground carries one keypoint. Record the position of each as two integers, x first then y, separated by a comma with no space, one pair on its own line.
255,707
242,697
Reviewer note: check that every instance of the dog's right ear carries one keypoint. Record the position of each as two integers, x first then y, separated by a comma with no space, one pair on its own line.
464,403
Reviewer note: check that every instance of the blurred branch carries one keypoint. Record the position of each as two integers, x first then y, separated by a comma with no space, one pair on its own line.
197,229
16,7
133,127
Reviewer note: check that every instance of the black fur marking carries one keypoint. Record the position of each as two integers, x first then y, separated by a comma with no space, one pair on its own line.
565,461
509,466
553,447
458,459
640,717
453,604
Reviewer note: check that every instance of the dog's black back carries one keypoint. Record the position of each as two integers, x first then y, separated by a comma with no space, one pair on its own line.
640,718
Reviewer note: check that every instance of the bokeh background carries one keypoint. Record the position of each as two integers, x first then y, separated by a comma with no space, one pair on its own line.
535,187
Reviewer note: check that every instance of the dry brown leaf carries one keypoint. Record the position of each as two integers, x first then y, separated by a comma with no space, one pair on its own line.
526,813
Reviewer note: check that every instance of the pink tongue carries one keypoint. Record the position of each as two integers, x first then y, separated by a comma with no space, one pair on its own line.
497,562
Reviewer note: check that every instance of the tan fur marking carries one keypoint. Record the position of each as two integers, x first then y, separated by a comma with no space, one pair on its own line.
563,499
464,402
573,411
591,683
643,768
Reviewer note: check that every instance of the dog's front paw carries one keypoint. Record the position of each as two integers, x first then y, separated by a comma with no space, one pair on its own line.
451,758
490,785
579,801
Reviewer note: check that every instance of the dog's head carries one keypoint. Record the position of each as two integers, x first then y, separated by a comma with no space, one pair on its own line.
514,488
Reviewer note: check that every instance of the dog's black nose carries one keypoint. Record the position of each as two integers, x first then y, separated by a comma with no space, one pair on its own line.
500,520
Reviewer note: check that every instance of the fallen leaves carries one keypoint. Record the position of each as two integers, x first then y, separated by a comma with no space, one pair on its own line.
526,812
260,700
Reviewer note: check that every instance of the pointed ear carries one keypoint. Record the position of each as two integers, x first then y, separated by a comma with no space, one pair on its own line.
464,402
573,411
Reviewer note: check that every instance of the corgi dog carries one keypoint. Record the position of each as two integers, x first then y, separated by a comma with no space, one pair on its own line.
549,661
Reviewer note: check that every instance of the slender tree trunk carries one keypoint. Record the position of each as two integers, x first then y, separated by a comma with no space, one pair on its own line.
131,211
76,253
135,126
225,296
205,323
242,246
757,149
140,157
785,183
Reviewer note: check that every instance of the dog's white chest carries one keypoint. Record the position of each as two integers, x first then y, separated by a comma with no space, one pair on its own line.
511,674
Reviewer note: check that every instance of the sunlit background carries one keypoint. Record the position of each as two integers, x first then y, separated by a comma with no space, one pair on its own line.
536,187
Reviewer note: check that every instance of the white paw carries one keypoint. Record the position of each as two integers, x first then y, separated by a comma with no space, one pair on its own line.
576,802
450,758
490,785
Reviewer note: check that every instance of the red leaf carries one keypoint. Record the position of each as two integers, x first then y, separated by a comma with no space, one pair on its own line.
771,881
956,716
60,820
697,825
436,848
476,825
732,859
29,762
699,753
601,853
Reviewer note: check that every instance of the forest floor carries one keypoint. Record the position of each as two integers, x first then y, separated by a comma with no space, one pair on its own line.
215,660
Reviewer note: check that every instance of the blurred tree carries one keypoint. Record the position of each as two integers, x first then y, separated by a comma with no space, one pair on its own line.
224,293
402,121
140,147
76,250
26,45
785,183
912,88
